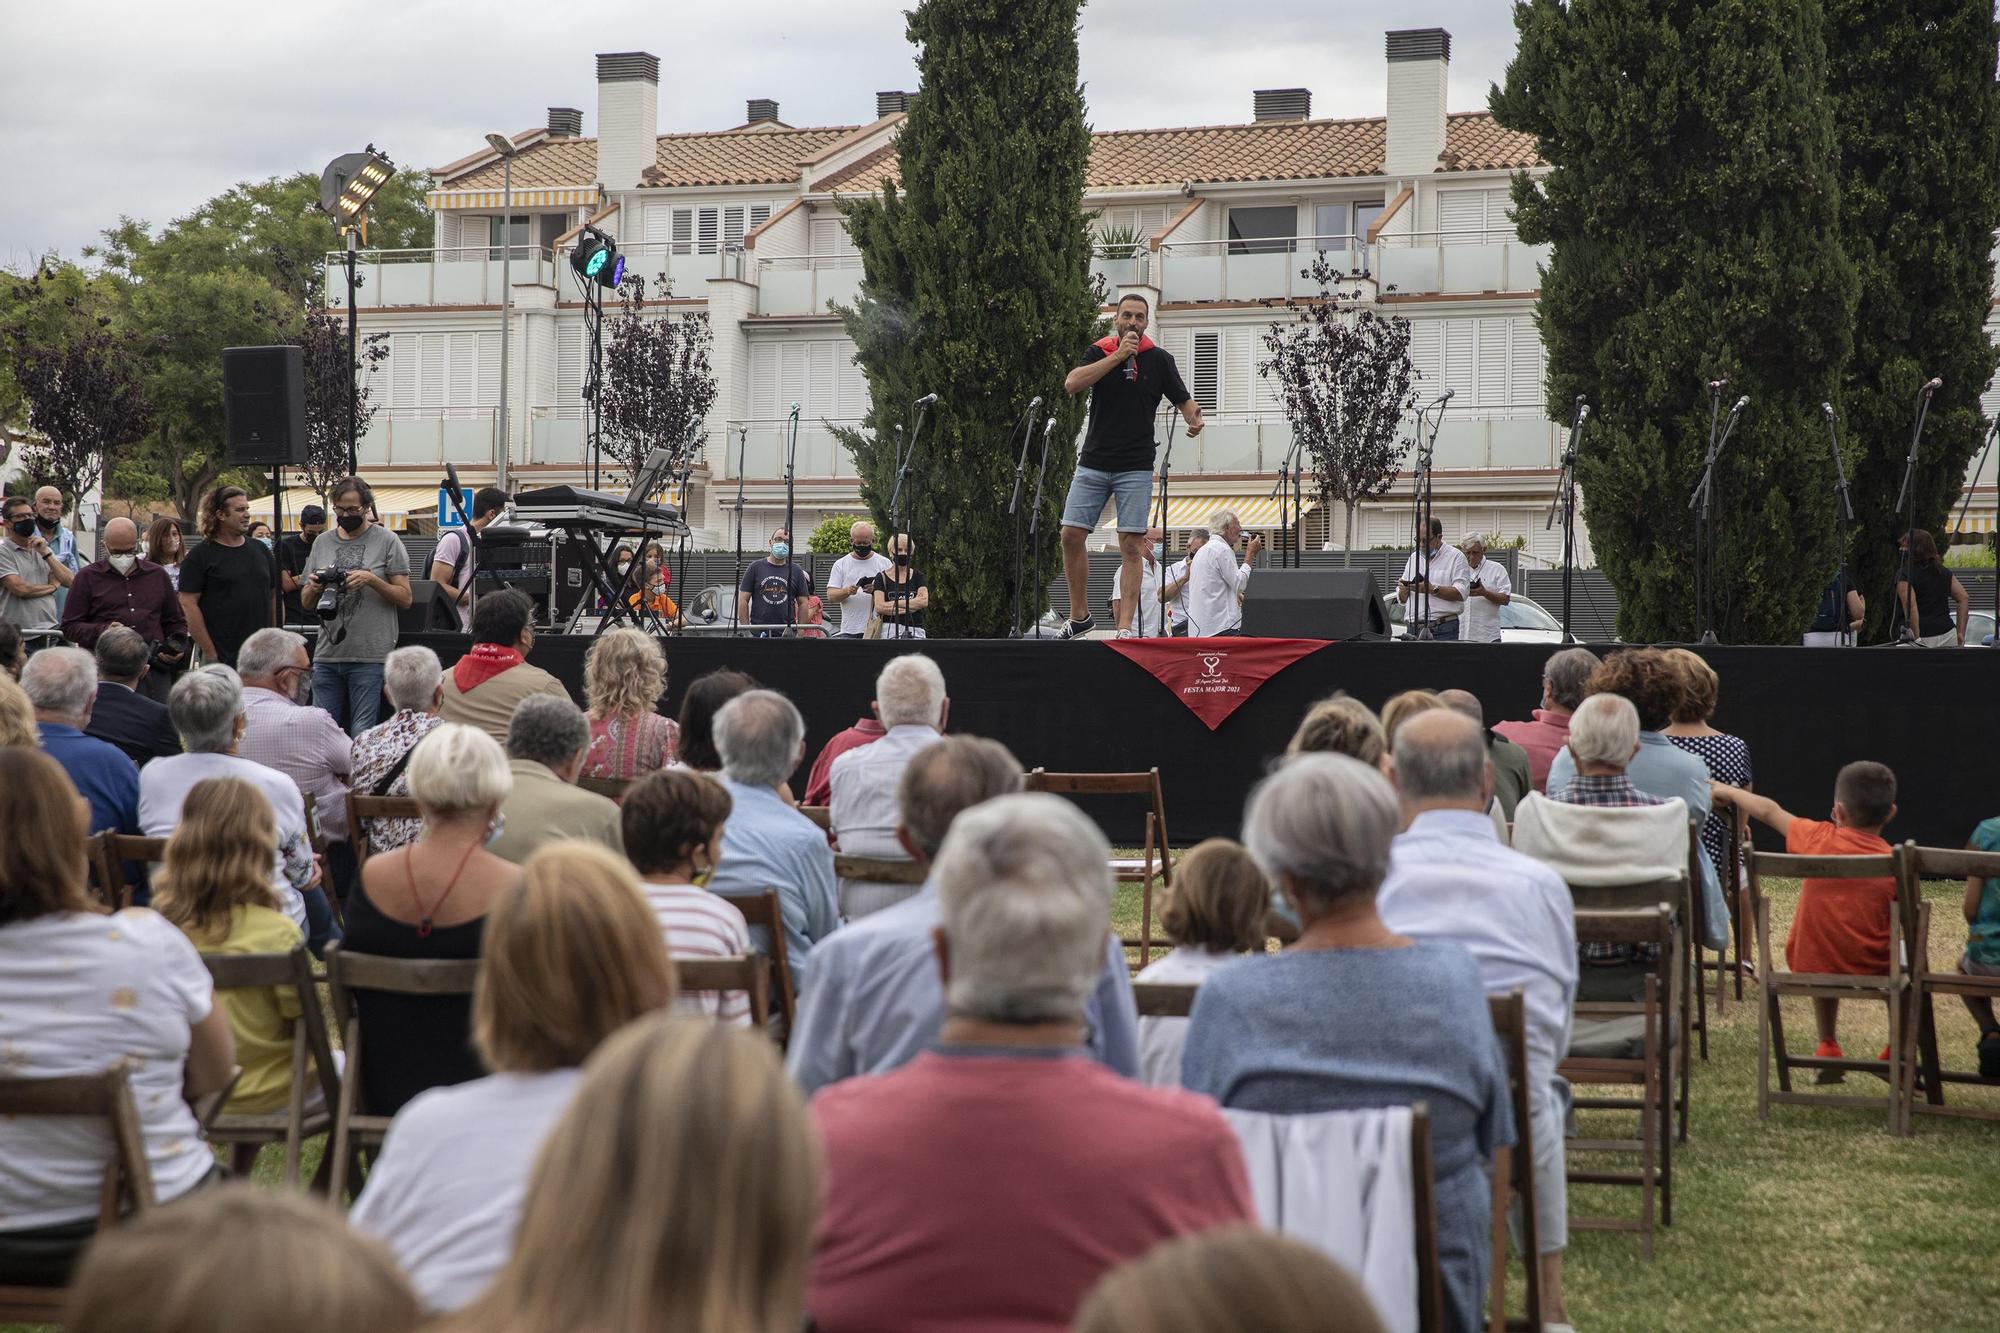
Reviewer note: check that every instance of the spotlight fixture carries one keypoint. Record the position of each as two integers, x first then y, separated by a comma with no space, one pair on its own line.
351,181
596,258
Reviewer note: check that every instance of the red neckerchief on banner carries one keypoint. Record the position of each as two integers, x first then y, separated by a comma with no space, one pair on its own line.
483,663
1214,677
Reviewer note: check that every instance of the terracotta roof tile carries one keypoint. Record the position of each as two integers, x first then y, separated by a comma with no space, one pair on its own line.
564,161
764,156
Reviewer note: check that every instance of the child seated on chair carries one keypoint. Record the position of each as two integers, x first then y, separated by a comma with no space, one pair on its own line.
1982,946
1840,925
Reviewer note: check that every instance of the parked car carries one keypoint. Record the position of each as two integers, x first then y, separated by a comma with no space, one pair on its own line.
1522,620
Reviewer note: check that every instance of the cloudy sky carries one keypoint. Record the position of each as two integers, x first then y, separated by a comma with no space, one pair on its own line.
150,108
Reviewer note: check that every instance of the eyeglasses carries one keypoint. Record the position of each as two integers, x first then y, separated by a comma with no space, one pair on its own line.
349,511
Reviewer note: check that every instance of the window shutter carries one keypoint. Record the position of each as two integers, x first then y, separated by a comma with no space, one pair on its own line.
569,371
1240,384
1205,380
1426,355
763,381
820,394
431,370
1459,358
683,238
1989,402
488,389
708,222
759,215
1151,220
1525,352
1493,363
791,379
828,236
853,383
402,370
732,225
659,227
1462,217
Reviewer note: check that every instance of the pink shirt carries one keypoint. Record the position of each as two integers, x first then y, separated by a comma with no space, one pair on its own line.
985,1189
819,784
1541,738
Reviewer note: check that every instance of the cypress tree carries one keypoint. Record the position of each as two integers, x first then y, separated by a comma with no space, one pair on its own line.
976,287
1693,209
1918,119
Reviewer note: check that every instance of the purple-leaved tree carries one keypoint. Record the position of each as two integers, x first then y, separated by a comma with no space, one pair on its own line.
657,383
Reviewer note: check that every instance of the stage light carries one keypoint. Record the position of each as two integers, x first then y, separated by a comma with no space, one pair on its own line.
596,258
351,182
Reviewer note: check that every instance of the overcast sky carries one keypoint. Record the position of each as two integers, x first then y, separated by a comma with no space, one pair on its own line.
146,109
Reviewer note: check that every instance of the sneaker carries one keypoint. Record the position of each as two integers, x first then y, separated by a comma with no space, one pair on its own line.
1830,1050
1128,633
1076,629
1989,1054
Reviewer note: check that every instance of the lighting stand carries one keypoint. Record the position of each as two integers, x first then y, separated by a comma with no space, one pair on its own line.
1701,503
593,373
742,454
353,354
1426,466
906,453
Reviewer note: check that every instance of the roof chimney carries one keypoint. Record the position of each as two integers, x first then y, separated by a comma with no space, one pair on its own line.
1418,59
1283,103
761,111
628,118
565,122
888,104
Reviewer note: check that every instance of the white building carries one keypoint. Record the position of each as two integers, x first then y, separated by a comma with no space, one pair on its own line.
744,223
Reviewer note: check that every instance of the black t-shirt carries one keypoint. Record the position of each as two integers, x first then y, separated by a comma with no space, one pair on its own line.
293,551
1831,618
233,585
893,588
1935,609
1122,407
767,584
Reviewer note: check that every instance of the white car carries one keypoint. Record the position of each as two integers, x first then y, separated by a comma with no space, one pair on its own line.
1522,620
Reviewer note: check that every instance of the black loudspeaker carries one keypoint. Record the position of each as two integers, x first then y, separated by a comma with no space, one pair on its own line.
264,406
429,611
1314,604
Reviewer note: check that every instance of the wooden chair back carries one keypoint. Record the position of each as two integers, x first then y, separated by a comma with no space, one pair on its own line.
1155,861
1514,1168
362,807
749,973
1164,999
1423,1181
880,869
761,909
110,851
615,788
1920,1040
821,815
312,1052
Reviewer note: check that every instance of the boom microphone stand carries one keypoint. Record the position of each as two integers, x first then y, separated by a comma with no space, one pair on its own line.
791,471
1565,505
1035,519
1906,502
1426,466
1026,425
906,453
1842,583
1286,491
742,454
1704,526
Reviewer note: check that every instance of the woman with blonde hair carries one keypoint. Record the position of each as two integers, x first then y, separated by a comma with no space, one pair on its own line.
677,1194
1401,709
267,1259
570,958
1340,725
624,678
1231,1280
1727,756
1216,915
17,716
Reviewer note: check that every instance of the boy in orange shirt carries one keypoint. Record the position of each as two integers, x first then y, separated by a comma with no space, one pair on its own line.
1841,925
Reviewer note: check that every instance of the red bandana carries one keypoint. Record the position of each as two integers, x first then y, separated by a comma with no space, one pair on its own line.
483,663
1109,343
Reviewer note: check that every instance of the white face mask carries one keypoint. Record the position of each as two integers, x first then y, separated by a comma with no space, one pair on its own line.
123,561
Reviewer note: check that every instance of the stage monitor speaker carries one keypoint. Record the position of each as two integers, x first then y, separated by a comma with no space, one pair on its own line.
429,611
264,406
1314,604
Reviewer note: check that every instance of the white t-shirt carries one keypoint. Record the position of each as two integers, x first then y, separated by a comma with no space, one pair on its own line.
1161,1040
445,1196
846,572
163,787
451,546
79,994
700,924
1482,618
1146,617
1447,570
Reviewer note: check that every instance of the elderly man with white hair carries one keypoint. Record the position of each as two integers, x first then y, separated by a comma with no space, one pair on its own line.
283,730
1215,582
1451,879
62,685
998,1154
414,681
767,844
911,703
547,743
207,709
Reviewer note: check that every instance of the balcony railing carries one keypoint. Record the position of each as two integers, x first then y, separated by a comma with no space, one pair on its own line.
452,275
1263,268
410,435
763,452
1463,261
805,284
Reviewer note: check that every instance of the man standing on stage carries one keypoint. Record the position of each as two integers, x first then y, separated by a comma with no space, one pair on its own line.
1488,590
1434,593
1148,618
774,590
1216,583
1174,583
851,584
1127,375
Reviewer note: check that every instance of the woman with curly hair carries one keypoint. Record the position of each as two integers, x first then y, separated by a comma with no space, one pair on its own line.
624,677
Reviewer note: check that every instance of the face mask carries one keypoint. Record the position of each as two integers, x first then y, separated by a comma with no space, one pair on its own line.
48,524
902,557
266,541
123,561
351,522
498,826
24,528
302,693
864,549
779,550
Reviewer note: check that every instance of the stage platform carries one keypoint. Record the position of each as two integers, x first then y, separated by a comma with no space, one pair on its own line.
1928,714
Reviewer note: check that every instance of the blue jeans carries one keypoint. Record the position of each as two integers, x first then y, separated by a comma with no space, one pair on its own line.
1089,488
351,691
321,929
1444,631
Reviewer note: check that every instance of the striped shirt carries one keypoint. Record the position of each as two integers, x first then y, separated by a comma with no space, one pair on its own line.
697,924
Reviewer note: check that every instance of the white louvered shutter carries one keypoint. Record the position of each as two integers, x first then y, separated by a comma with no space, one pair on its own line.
707,229
569,371
1426,355
659,228
733,224
821,394
683,234
852,384
759,215
1239,379
1493,363
431,370
402,370
1204,378
1460,358
1525,355
763,381
462,375
1462,217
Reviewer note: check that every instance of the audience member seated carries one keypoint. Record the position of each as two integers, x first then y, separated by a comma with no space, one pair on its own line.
624,679
569,959
910,700
1401,708
216,886
283,730
1727,756
546,747
1653,683
430,900
1510,761
1230,1280
994,1179
86,992
705,697
1259,1038
1451,879
207,708
819,783
1840,925
494,676
414,682
266,1260
677,1192
872,998
13,653
673,825
1565,677
1982,946
134,723
767,844
1340,725
17,715
62,685
1215,914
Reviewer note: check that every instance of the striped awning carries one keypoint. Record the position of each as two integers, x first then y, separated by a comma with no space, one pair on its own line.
1255,511
575,196
1972,523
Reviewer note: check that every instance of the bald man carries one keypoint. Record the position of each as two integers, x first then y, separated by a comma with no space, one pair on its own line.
123,588
48,522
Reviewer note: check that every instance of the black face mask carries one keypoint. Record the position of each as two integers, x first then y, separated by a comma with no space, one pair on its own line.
48,524
864,549
902,557
351,522
24,528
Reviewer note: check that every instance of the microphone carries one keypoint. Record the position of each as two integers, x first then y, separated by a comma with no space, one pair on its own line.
926,400
1741,403
1583,414
1826,410
1933,384
795,409
1034,403
1716,386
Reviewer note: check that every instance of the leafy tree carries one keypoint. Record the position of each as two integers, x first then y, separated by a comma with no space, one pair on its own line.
657,384
1917,115
830,537
1343,369
1693,205
322,340
85,399
976,286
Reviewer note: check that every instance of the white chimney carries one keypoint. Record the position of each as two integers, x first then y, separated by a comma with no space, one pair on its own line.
1418,60
628,118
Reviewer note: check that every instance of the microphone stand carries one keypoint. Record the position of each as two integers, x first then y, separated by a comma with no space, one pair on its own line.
1704,527
1284,494
742,455
1027,429
791,469
1842,583
1035,518
1166,470
1565,504
906,453
1906,504
1426,466
1992,433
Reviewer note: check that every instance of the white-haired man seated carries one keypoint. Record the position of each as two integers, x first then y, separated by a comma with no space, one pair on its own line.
283,730
413,678
999,1172
911,703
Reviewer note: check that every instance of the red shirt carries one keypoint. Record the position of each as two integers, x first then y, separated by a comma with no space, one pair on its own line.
1548,733
819,784
976,1189
1841,925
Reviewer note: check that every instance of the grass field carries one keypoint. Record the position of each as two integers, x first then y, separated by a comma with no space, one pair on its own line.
1814,1220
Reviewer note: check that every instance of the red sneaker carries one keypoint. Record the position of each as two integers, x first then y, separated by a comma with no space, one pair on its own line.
1830,1050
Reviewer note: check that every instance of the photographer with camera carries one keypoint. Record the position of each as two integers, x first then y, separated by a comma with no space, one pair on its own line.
122,588
853,574
360,579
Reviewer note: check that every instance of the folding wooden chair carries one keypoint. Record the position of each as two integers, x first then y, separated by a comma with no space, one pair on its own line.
354,1126
615,788
1164,999
110,851
821,815
1514,1172
127,1176
761,909
1430,1267
1155,862
1920,1036
880,869
312,1057
1625,1042
1772,985
362,807
1623,983
1697,932
745,972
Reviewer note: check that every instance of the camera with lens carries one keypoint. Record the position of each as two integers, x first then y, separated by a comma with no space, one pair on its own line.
332,590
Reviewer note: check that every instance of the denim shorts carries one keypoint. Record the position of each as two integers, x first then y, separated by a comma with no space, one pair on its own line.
1090,488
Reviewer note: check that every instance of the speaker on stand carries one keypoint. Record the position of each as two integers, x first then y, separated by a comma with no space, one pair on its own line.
264,414
1314,604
